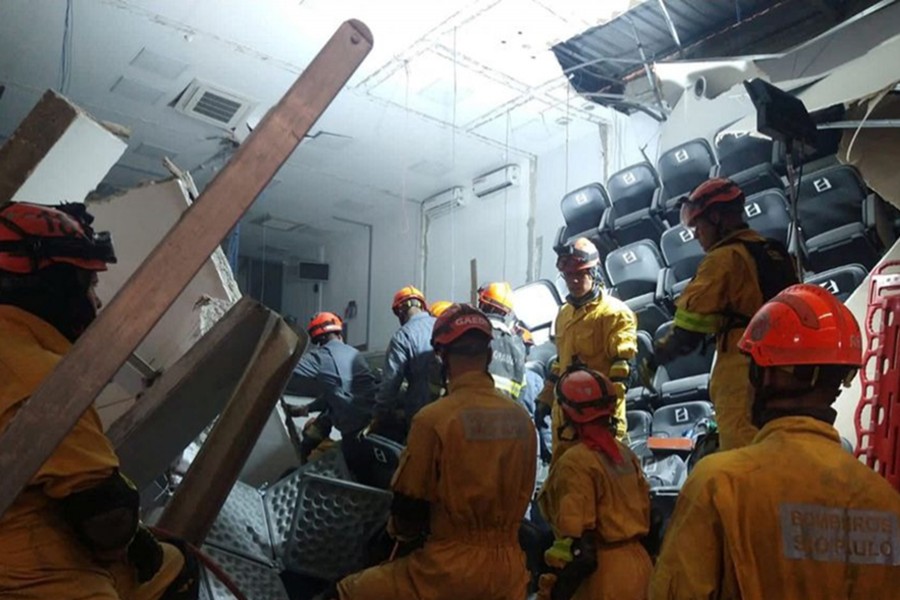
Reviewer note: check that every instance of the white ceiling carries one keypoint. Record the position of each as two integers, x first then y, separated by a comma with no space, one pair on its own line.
451,90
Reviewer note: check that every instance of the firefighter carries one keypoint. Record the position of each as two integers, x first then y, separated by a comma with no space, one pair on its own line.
508,363
464,481
740,271
436,309
338,376
592,327
597,501
409,359
75,529
792,515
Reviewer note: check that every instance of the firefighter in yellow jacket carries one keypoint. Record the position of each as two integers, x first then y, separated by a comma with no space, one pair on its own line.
592,327
740,271
74,531
597,501
464,482
792,515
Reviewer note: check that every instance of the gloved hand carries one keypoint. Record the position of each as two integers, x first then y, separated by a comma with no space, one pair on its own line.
542,412
559,554
297,411
547,395
647,370
145,554
545,586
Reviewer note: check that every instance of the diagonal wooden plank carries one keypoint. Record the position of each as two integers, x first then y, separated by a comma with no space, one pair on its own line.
172,412
206,485
56,405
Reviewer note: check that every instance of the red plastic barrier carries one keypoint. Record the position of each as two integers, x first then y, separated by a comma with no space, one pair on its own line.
878,431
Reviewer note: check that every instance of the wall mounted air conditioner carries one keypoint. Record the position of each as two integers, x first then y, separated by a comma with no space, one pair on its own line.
444,202
495,180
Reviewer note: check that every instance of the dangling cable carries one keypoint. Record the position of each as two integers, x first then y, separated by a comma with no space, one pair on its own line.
506,201
453,163
568,92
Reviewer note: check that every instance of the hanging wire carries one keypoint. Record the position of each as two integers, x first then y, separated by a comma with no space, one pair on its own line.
404,142
506,200
453,164
65,61
568,98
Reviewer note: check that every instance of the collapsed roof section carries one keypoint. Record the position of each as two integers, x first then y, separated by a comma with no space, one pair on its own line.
611,64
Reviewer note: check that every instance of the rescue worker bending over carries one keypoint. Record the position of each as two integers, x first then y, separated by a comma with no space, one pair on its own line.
740,271
508,362
464,481
338,376
593,327
409,358
75,530
597,501
792,515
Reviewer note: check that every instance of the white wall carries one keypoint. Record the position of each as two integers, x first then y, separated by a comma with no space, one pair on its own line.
348,257
492,230
396,263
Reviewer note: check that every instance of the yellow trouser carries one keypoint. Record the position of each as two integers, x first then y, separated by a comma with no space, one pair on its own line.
623,573
444,570
48,569
729,390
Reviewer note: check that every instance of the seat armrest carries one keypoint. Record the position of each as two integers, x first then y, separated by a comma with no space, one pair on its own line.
663,285
608,220
658,203
715,171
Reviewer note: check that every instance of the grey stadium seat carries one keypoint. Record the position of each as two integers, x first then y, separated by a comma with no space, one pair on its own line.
685,378
631,193
677,420
767,213
582,211
634,271
681,169
682,253
840,281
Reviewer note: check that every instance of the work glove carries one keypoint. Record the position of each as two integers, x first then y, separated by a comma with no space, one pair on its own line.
297,411
559,554
545,586
647,370
145,554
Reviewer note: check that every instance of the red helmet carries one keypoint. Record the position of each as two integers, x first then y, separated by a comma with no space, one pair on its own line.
457,320
324,322
34,236
437,308
580,255
712,192
497,297
405,295
803,325
586,395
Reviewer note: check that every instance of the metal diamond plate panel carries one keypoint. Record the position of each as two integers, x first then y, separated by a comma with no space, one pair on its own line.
241,526
281,498
336,515
255,580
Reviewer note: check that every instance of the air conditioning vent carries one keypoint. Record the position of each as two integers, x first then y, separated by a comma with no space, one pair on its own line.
444,202
213,105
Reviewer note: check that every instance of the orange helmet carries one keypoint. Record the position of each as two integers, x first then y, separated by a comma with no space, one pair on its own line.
580,255
437,308
496,297
324,322
803,325
586,395
712,192
405,296
34,236
458,320
527,336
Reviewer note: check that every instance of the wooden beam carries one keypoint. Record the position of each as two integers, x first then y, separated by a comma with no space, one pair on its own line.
187,396
54,408
473,281
206,485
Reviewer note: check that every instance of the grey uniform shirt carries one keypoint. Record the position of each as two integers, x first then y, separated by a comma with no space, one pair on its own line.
409,357
338,376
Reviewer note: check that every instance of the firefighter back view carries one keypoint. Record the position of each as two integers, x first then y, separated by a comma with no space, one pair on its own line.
597,501
740,271
508,361
793,515
74,531
409,360
464,481
592,327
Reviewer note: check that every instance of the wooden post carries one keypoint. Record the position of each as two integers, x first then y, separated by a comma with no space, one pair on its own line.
200,497
473,281
187,396
55,407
